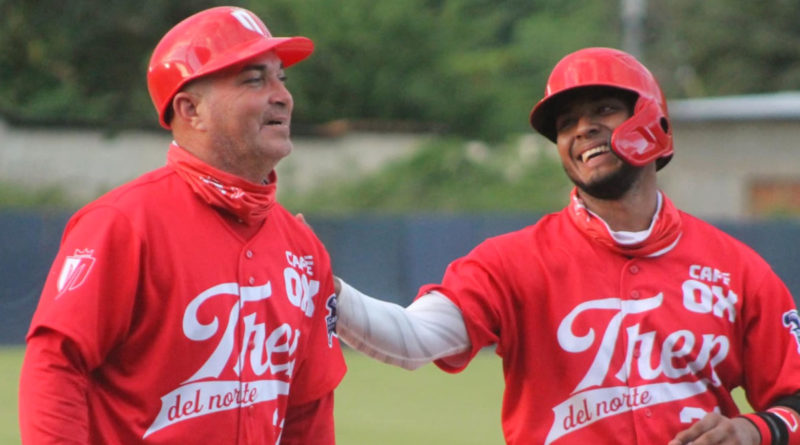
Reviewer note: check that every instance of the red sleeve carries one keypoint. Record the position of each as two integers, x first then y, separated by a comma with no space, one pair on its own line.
771,344
52,392
475,284
311,422
98,260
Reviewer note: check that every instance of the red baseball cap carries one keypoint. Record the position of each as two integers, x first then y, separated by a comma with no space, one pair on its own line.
210,41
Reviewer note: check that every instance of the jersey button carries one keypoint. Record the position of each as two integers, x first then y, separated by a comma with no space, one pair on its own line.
635,295
249,254
251,280
634,269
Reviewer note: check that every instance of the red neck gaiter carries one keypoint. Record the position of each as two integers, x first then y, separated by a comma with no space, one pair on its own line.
664,235
247,201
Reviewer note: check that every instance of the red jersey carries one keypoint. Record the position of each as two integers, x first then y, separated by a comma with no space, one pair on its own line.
191,333
599,347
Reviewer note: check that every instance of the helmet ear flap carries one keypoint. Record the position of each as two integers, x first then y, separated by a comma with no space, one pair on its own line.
640,140
645,137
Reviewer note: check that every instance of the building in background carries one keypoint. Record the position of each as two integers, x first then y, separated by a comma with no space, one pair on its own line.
735,157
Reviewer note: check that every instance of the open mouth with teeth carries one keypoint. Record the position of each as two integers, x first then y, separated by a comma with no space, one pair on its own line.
592,152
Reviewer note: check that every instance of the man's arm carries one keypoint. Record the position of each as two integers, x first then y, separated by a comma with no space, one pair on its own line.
52,393
431,328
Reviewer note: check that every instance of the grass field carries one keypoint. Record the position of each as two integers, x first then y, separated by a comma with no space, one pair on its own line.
381,404
375,403
10,361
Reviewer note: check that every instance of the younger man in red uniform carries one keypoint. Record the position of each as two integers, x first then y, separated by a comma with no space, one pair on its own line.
188,306
620,319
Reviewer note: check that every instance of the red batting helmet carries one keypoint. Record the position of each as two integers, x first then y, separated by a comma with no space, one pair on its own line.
209,41
646,136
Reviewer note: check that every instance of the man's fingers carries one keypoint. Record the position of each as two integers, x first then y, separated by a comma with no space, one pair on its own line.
337,285
715,428
299,217
690,434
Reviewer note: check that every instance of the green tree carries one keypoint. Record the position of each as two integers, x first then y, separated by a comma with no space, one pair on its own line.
473,67
84,61
724,47
451,175
457,64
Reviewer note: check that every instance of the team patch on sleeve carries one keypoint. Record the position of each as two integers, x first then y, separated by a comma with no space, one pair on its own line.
75,270
791,320
331,318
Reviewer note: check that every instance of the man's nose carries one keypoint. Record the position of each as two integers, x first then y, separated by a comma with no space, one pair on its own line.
586,125
281,94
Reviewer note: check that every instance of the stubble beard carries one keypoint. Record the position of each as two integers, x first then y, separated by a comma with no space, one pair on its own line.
612,186
252,160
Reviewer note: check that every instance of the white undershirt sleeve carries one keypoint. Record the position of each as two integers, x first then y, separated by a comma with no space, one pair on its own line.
431,328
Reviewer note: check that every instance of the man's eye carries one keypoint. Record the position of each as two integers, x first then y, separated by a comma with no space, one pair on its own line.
563,123
609,108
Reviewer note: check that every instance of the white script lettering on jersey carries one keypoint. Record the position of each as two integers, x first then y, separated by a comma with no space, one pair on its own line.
661,366
282,339
203,393
710,349
271,354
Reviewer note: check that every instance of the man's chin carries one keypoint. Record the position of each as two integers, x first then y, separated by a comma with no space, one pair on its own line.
611,186
279,148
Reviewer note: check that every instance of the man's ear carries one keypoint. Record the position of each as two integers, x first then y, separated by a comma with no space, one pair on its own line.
186,108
